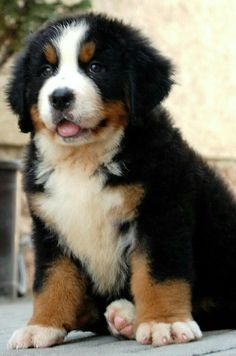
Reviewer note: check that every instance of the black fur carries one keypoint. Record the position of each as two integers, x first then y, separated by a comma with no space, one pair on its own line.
187,219
17,92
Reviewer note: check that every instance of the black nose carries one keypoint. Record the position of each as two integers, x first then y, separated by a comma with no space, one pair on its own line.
61,99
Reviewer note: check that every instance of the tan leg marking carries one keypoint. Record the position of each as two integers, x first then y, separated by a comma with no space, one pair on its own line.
61,306
165,301
163,309
62,303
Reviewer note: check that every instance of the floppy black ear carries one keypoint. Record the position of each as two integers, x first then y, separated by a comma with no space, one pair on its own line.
150,80
16,92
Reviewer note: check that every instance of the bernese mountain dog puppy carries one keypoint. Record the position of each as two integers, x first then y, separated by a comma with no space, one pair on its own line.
133,232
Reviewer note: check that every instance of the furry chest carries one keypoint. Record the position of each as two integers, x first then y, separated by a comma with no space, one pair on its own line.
86,217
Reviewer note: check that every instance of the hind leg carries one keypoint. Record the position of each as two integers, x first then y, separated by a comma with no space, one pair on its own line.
120,316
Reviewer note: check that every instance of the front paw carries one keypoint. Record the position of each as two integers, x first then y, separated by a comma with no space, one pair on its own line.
160,334
36,336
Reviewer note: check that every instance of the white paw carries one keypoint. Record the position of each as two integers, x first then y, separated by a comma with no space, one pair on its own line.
35,336
159,334
120,316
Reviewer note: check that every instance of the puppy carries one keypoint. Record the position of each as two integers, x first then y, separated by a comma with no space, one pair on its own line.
127,219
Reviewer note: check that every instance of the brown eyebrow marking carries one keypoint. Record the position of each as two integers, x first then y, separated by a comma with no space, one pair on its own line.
50,54
87,51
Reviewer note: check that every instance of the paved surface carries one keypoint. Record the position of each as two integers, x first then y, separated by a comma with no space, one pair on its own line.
15,315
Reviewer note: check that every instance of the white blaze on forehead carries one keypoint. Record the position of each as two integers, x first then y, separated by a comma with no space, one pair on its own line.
69,42
87,106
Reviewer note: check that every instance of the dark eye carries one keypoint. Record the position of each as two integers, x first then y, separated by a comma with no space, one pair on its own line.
95,67
46,71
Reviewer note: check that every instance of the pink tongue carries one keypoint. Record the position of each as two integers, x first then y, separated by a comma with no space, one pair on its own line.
67,128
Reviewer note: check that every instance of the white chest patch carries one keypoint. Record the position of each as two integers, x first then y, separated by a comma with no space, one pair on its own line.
85,216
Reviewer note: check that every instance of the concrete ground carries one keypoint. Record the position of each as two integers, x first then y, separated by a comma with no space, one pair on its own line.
15,314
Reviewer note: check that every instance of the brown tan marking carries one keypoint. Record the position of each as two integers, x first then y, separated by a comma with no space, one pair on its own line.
50,54
116,113
166,302
87,52
62,303
132,196
37,122
115,117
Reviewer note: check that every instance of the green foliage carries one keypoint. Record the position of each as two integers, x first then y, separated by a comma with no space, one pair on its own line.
18,18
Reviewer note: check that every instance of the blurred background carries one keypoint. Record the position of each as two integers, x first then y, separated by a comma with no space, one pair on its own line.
199,37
